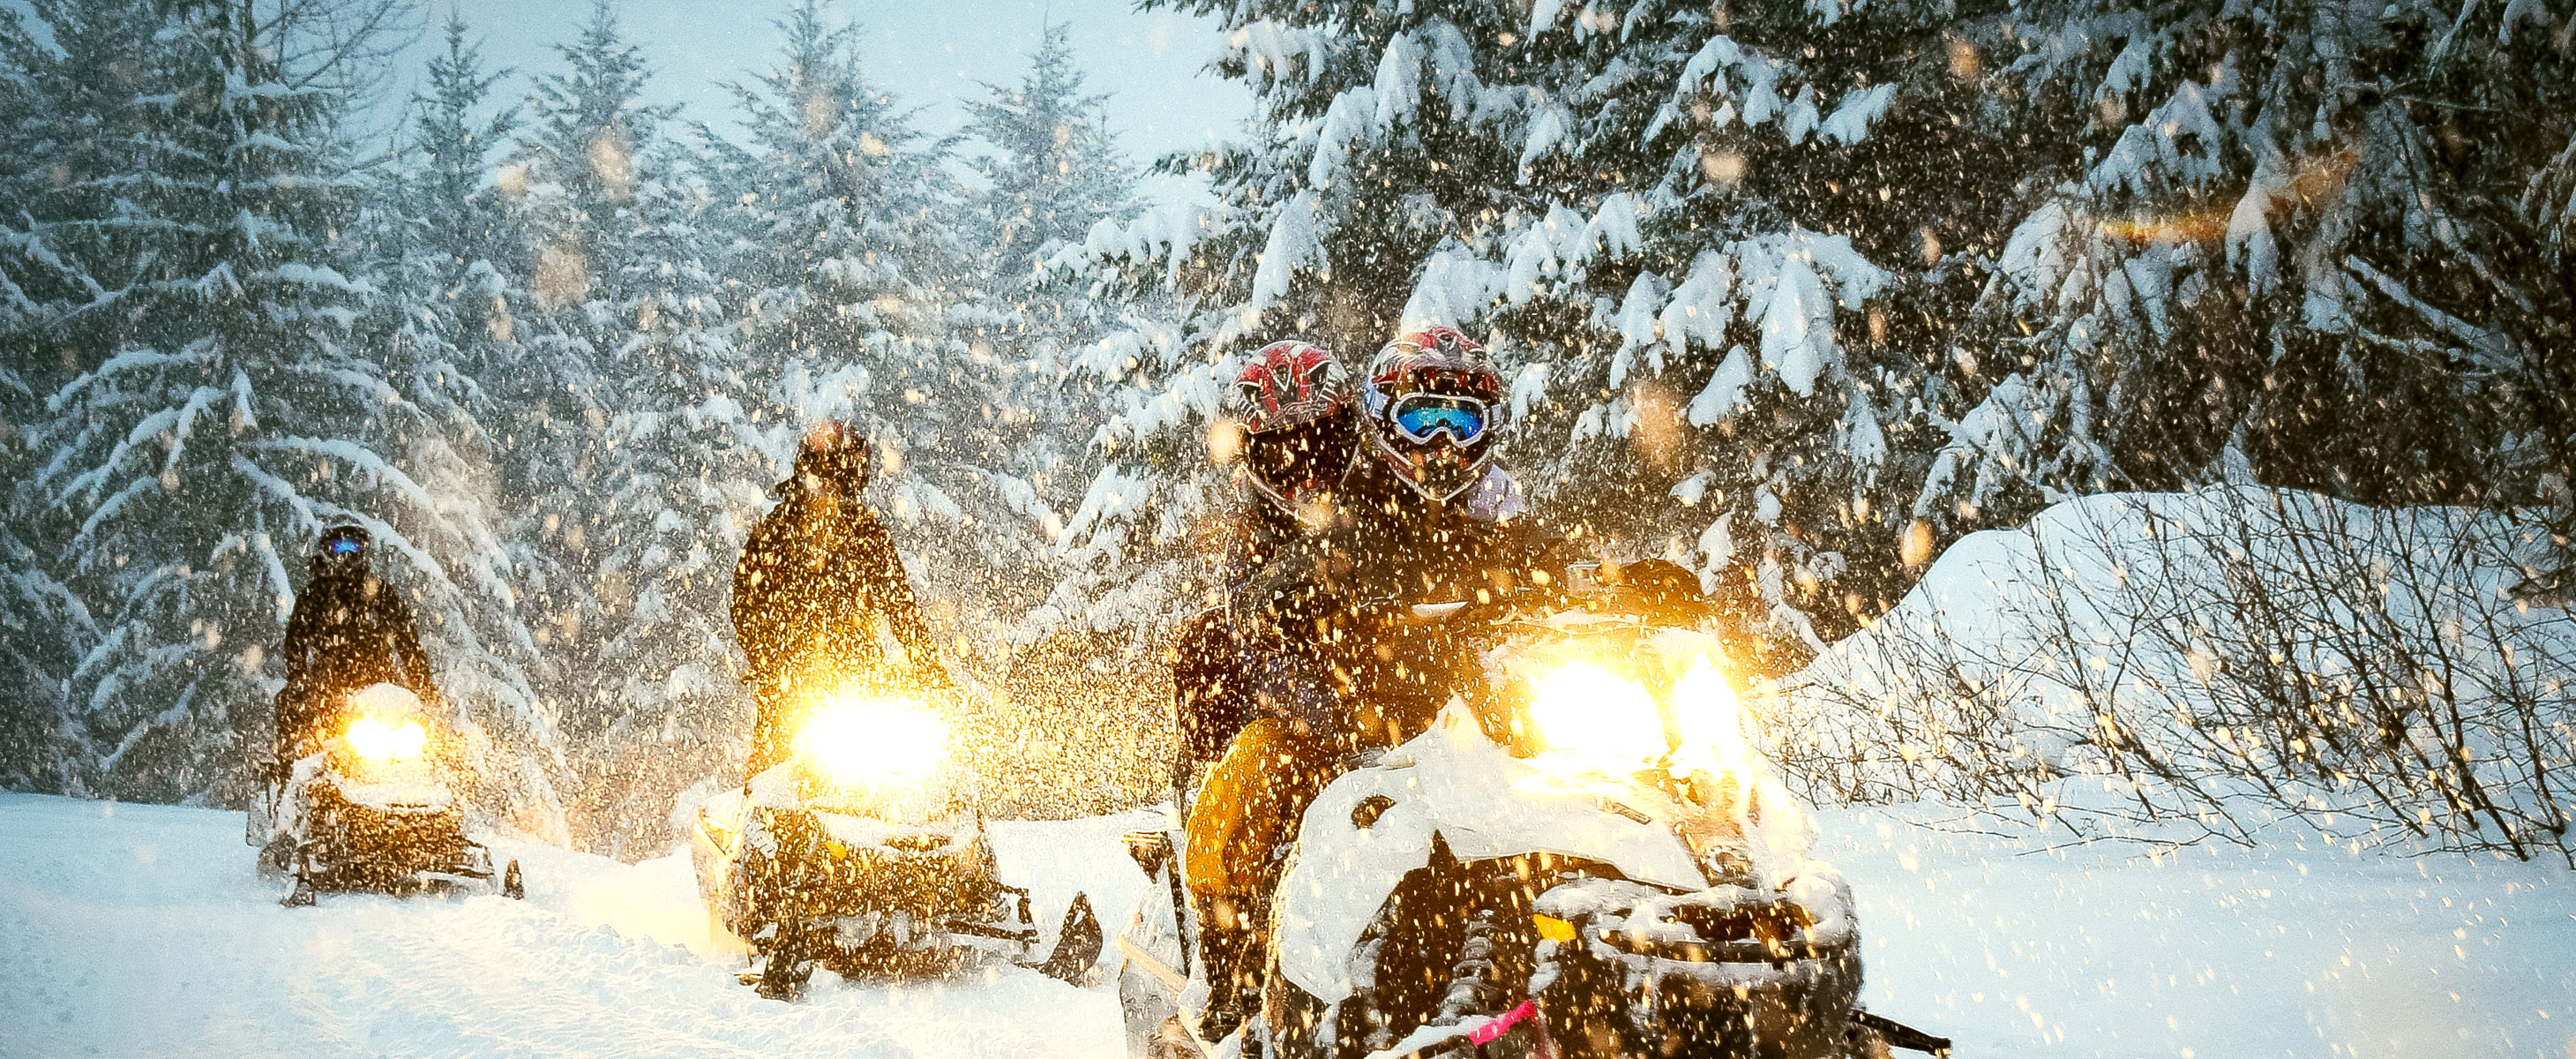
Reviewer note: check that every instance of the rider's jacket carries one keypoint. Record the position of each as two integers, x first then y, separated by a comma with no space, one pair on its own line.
348,631
1209,659
1341,657
820,594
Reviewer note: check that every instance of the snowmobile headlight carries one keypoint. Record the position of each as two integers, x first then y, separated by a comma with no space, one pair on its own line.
377,740
1589,718
867,741
1711,722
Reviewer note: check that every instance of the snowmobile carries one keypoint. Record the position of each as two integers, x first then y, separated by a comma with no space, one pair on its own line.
372,809
864,853
1581,857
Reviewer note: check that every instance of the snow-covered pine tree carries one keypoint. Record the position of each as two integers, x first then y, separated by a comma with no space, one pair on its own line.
444,251
1055,167
1720,255
1053,170
44,630
569,181
641,390
1656,212
687,467
234,414
2319,247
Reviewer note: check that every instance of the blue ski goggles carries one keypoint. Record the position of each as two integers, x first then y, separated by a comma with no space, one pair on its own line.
343,546
1422,417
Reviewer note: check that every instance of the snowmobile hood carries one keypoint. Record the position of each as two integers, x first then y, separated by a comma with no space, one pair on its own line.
1453,783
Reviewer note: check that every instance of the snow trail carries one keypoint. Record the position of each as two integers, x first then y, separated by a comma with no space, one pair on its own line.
138,930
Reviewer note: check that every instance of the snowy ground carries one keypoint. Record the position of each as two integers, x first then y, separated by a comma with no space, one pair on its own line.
2215,953
135,930
132,930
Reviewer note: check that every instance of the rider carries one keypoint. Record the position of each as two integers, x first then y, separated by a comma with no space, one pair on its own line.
1290,411
1423,511
1432,415
350,630
1430,517
1243,702
819,592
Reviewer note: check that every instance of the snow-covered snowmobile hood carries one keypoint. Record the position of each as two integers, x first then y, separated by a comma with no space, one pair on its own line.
1454,783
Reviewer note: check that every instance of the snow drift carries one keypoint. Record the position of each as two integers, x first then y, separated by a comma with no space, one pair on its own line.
2183,665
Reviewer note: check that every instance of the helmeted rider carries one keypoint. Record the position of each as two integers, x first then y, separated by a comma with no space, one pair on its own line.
1422,509
819,595
349,630
1292,431
1245,699
1435,519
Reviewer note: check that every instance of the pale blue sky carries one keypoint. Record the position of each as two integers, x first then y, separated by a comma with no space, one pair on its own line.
929,54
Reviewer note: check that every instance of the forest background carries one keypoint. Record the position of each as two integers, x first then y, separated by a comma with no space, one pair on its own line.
1793,292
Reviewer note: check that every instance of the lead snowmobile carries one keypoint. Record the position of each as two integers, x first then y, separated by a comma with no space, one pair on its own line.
864,852
1581,858
372,809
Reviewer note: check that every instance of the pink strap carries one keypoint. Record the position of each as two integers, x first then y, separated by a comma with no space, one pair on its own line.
1491,1031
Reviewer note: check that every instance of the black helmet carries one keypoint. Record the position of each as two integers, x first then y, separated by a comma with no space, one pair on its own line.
341,549
835,452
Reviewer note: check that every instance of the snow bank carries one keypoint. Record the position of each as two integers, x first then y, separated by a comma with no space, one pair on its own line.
2211,662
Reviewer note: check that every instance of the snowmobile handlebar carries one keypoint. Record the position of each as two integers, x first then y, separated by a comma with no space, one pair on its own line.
1654,587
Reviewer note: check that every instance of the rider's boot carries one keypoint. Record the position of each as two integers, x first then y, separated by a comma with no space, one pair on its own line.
1231,952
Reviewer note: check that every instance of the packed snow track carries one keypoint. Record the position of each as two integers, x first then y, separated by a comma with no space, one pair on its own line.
141,930
137,930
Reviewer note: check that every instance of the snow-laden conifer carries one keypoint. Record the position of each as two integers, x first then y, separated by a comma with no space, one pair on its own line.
2313,246
235,409
1054,171
638,422
445,253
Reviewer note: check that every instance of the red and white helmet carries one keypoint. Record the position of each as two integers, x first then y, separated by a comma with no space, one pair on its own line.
1432,407
1292,402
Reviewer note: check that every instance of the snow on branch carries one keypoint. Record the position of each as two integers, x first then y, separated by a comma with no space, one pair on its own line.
82,542
1858,111
357,457
125,361
1398,87
1296,240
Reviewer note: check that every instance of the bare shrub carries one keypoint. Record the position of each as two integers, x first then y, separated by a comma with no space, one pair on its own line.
2173,667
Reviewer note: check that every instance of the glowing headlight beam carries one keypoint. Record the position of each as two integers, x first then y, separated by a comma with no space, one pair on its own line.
1588,716
376,740
872,741
1710,719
